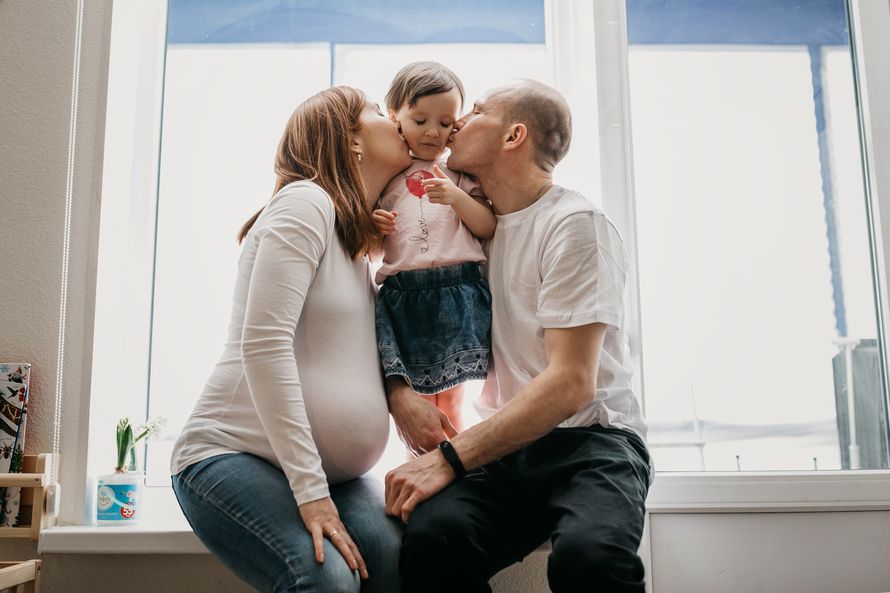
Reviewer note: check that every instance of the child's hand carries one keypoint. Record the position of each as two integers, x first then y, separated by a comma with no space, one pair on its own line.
441,190
385,221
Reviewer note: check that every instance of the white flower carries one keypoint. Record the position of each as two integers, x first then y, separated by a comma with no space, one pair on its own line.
155,429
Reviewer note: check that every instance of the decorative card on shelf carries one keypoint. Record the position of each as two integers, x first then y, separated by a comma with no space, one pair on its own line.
14,389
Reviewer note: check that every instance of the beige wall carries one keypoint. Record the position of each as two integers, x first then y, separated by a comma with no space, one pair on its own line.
36,45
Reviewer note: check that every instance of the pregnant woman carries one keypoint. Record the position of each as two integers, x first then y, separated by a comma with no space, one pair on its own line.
268,467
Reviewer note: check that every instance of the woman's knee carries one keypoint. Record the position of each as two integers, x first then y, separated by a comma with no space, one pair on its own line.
332,576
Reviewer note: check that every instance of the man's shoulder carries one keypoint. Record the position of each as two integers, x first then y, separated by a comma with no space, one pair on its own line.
565,203
571,212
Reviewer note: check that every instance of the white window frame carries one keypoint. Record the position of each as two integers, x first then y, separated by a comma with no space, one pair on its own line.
128,213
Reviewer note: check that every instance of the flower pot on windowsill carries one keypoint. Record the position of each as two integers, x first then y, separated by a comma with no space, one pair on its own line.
119,495
119,498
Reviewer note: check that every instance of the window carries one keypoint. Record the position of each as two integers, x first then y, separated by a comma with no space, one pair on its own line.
757,297
750,235
232,74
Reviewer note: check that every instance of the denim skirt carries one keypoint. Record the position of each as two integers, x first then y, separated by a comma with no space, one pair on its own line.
434,326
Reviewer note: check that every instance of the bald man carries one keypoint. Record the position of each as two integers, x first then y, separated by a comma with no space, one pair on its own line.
560,453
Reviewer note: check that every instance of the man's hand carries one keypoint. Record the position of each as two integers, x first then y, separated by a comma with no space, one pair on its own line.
414,482
385,221
421,425
441,190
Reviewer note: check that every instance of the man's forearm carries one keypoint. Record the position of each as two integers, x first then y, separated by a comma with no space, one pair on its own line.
552,397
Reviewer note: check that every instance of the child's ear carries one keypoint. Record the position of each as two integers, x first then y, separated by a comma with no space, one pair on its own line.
395,120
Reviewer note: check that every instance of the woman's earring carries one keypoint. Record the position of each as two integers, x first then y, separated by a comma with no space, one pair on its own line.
359,156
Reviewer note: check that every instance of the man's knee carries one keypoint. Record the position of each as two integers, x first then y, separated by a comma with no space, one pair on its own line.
430,530
583,564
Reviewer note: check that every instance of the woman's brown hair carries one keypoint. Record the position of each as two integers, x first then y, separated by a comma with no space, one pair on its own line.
316,146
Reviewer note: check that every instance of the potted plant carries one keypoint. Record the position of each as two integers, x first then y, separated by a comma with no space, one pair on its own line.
119,495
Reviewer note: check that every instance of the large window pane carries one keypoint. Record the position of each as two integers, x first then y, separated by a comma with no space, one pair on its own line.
755,271
234,73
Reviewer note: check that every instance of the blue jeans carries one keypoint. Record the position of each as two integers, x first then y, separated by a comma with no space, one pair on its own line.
242,508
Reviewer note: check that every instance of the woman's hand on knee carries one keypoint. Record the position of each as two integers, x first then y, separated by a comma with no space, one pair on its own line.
323,521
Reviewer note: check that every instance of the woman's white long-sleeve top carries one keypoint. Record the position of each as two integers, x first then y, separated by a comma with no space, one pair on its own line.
299,381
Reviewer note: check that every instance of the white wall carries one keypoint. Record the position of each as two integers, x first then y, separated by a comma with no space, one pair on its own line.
816,553
771,553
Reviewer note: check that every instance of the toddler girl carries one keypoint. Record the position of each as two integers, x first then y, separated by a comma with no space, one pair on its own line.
433,308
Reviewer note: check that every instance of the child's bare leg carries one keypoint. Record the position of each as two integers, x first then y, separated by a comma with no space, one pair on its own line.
450,403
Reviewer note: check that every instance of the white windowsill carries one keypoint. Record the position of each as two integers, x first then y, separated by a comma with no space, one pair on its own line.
164,530
769,492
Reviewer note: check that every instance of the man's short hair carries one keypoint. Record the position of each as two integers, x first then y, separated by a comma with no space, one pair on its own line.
545,113
419,79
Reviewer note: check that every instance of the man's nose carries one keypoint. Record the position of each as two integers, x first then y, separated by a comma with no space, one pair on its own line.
460,123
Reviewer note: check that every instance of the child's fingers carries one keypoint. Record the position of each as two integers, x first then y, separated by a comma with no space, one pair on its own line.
437,184
438,172
385,215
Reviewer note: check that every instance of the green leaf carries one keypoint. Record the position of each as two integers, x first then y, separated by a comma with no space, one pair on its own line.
125,443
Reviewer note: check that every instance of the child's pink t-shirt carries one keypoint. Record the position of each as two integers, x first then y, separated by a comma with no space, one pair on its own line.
427,235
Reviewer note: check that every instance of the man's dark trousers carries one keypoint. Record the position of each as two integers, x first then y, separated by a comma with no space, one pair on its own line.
584,488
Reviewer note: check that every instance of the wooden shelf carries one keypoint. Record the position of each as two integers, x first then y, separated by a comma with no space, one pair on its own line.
34,482
27,573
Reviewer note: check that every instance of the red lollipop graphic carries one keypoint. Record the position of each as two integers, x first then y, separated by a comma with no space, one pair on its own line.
414,182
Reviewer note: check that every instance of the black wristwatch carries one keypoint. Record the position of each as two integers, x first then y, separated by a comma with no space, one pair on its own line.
452,458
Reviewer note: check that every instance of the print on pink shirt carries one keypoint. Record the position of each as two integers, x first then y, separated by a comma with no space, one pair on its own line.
414,183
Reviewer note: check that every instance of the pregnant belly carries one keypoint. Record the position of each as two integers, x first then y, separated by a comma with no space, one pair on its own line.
350,431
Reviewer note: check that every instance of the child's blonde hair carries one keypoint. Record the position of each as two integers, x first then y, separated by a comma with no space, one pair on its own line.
419,79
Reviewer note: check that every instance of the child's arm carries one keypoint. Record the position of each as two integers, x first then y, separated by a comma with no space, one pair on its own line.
386,224
478,217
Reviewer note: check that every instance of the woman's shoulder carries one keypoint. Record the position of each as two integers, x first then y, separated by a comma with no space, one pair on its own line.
303,191
301,200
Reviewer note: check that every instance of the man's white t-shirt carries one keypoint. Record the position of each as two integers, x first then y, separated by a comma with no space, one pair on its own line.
559,263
